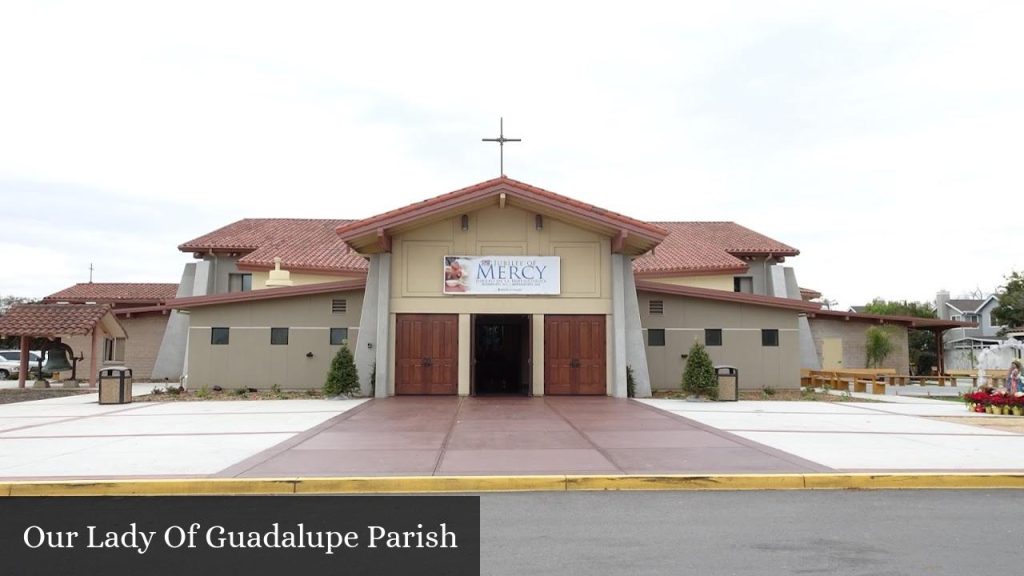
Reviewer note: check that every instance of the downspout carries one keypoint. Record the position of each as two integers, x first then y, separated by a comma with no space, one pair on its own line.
764,276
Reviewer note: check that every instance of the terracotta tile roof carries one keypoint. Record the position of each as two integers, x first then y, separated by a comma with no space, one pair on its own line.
114,292
712,247
301,243
52,319
809,293
438,203
725,296
267,294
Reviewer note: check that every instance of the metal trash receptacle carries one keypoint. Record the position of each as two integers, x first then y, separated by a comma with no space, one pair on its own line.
728,383
115,386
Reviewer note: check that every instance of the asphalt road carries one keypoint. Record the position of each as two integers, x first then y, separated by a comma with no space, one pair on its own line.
920,532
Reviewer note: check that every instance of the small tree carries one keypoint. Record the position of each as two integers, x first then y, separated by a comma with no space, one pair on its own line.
1010,313
342,378
878,346
699,376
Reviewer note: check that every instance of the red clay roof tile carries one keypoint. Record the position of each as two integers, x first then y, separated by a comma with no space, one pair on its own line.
712,247
301,243
114,292
52,320
353,229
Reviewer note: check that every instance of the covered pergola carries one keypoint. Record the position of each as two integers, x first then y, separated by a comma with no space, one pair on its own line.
51,321
934,325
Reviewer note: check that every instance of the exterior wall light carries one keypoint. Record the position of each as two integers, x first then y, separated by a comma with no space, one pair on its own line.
465,222
538,221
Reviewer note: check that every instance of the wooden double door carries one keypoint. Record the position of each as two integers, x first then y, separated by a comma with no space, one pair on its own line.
427,354
574,355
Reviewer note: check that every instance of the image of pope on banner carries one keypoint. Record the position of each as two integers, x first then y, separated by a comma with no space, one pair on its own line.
457,274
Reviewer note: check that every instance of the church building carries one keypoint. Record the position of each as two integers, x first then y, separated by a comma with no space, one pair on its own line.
498,288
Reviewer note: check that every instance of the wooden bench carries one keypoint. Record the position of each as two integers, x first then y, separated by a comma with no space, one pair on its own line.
994,377
852,379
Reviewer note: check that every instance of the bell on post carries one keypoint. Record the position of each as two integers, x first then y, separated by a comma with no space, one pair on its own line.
58,357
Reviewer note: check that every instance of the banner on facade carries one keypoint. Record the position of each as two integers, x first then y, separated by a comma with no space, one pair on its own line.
502,275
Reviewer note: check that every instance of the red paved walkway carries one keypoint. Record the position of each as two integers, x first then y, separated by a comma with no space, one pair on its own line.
482,436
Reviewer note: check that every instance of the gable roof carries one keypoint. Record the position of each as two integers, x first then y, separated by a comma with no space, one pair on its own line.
966,306
641,235
115,292
303,244
53,320
267,294
725,296
707,247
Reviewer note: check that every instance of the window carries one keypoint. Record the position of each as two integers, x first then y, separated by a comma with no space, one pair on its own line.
972,318
712,336
656,307
10,356
239,282
219,336
278,336
113,349
338,336
656,337
339,306
769,337
956,318
743,284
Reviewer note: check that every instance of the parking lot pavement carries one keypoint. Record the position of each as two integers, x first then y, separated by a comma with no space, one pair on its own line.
863,436
74,436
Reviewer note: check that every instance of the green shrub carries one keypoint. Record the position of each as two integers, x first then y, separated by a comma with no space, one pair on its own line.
630,383
768,391
241,391
203,392
276,390
342,378
699,376
878,346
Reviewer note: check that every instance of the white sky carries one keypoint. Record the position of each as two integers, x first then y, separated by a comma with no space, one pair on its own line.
883,139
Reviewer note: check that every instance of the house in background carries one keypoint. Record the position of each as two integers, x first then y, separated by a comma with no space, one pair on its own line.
963,345
139,308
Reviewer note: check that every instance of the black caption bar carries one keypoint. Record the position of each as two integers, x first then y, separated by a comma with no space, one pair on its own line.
241,535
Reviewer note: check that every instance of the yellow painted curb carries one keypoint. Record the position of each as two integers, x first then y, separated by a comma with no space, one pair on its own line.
411,484
470,484
910,481
687,482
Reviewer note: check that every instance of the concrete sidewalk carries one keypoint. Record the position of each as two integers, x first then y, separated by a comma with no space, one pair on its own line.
895,435
74,436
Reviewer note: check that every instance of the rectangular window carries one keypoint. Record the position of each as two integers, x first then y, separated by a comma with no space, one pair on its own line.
239,282
656,307
338,336
743,284
656,337
219,336
339,306
769,337
278,336
712,336
113,349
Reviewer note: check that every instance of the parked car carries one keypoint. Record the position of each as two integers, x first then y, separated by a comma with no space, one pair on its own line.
10,362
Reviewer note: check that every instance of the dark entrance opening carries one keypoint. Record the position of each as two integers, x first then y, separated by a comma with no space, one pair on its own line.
501,354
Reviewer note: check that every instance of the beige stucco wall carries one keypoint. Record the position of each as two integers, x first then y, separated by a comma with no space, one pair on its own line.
417,273
259,278
684,321
145,332
718,282
249,360
853,337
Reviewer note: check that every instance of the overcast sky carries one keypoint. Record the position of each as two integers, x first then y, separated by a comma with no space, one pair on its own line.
885,140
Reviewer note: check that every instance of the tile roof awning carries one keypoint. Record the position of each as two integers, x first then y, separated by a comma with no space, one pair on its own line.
266,294
58,320
724,296
908,321
633,236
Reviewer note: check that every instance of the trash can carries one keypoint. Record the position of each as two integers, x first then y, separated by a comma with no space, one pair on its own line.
728,383
115,386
